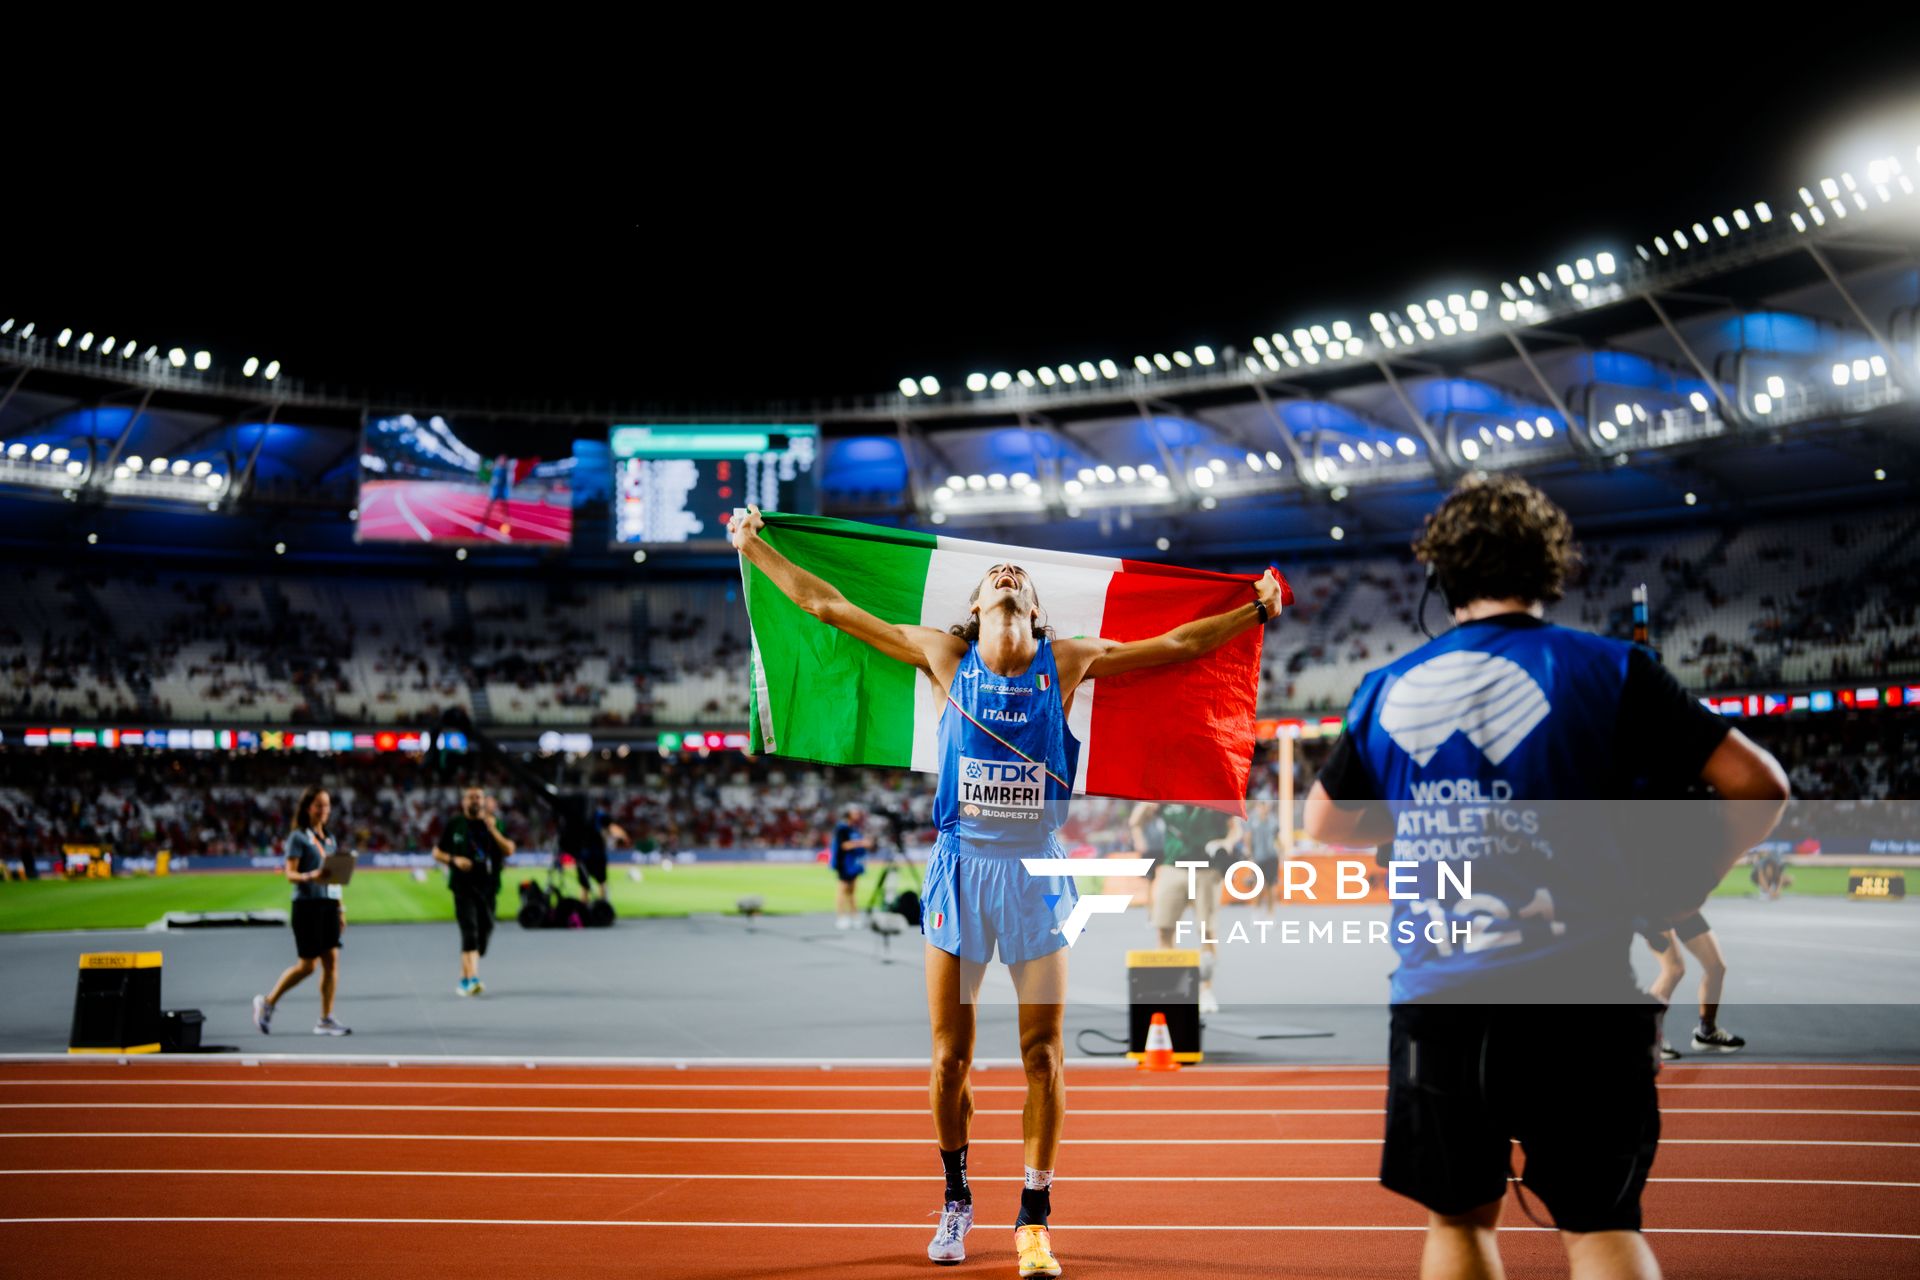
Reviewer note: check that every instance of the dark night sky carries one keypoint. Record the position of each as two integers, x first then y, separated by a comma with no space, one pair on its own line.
817,252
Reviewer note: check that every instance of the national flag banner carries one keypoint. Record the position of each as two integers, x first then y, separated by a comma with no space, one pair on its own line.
1182,732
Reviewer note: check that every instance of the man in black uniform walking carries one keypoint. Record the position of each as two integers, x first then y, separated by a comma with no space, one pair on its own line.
473,849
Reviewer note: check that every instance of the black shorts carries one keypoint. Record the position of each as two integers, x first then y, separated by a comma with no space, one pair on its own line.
1573,1084
475,915
316,926
1692,927
591,868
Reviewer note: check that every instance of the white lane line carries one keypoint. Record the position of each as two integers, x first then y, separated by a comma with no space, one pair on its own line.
575,1175
915,1089
892,1226
400,501
870,1142
424,1108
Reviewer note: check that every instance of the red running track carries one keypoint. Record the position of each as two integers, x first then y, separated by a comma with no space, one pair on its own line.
445,511
169,1168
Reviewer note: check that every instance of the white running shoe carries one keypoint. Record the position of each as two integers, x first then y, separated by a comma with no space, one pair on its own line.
263,1015
950,1241
1209,1003
328,1027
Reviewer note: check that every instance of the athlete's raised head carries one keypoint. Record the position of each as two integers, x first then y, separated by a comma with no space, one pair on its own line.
1008,589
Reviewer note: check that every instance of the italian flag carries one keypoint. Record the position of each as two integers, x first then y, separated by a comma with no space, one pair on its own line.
1176,733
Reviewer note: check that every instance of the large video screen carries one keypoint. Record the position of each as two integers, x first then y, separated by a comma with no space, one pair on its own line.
677,484
419,482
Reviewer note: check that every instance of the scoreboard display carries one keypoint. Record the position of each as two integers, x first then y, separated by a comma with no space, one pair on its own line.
1876,882
675,485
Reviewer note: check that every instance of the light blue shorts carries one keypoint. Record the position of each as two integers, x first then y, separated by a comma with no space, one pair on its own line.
976,898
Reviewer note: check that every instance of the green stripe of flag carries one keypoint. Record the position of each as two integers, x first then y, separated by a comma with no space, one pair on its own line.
818,694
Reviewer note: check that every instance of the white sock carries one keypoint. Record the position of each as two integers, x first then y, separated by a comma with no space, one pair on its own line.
1039,1179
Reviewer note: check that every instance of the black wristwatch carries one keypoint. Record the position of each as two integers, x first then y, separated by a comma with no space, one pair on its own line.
1261,605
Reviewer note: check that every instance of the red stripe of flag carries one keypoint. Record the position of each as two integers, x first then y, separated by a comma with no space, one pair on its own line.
1182,733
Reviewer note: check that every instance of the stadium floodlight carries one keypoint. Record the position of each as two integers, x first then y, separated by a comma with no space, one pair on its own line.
976,382
1203,354
1698,401
1301,339
1448,326
976,482
1806,197
1203,477
40,451
938,517
1469,449
1280,341
279,548
956,483
1378,321
1642,251
1293,361
1144,365
1346,452
1545,427
122,471
1434,309
202,361
1524,429
1819,218
1253,364
460,553
1355,346
1336,533
1426,330
106,346
1342,331
1406,446
1209,502
1861,370
1047,377
1219,467
1026,377
1509,312
1456,304
1001,381
1261,345
1254,462
1073,512
66,336
177,358
1478,299
1182,359
1608,430
134,462
26,334
1148,470
7,326
1366,450
1470,321
1605,262
909,388
1034,490
1406,334
1526,285
1416,313
1580,291
1161,363
1720,225
1504,432
1829,188
1387,340
1019,479
1692,498
92,538
1799,223
929,386
1074,488
202,468
1777,387
1312,355
59,456
1320,335
180,467
1335,351
86,340
1128,475
1623,413
1273,459
943,495
1109,370
1087,371
157,466
1878,366
1162,544
1087,475
1741,220
1565,272
1512,294
1763,403
997,480
1106,473
1699,233
126,352
1680,238
75,466
1763,211
1486,436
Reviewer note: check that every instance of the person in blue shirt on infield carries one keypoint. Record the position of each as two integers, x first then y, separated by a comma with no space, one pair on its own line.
1499,753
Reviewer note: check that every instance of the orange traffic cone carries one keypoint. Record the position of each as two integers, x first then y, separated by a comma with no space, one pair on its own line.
1159,1055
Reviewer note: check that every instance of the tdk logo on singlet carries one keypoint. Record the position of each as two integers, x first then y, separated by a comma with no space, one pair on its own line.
1489,698
1003,784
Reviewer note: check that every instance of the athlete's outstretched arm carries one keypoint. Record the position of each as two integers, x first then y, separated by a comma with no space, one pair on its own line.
1185,642
919,646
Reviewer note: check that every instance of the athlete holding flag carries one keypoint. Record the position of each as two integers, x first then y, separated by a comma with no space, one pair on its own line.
1007,763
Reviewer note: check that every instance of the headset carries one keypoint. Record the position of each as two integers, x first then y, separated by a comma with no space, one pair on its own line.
1433,585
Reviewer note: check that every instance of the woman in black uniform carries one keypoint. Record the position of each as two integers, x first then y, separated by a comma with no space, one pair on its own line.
318,914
